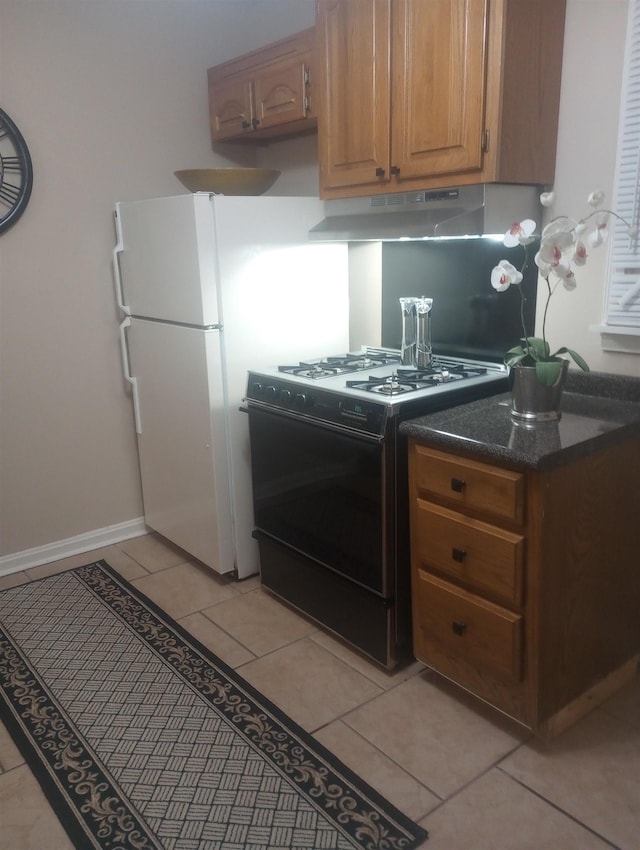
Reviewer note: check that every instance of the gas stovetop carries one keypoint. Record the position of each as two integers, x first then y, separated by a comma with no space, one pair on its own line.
379,372
360,387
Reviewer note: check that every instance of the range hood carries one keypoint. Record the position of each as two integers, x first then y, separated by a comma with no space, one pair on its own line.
489,208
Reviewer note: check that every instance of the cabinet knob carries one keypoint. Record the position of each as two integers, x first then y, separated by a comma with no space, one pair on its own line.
458,484
395,169
459,628
379,172
458,554
246,125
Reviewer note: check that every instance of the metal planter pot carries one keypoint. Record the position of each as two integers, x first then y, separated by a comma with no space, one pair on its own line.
532,401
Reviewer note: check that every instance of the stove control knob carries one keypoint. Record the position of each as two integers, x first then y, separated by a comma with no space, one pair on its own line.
271,392
285,396
257,389
304,400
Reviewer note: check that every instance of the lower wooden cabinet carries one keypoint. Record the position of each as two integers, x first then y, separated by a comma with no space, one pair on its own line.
467,629
526,584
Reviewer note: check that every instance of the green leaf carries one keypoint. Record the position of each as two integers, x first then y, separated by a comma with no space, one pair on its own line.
515,356
514,359
576,357
548,372
538,348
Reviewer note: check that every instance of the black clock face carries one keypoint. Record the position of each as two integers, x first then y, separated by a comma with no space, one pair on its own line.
16,173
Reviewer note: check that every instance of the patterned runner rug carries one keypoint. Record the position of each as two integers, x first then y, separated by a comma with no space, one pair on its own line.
142,739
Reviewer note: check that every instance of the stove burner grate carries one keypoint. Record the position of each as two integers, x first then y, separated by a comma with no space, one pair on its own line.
364,360
341,364
390,385
441,372
410,380
313,370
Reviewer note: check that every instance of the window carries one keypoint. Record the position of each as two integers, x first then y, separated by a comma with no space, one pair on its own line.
622,300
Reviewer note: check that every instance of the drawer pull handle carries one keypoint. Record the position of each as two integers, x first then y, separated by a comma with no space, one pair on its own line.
459,628
458,484
458,554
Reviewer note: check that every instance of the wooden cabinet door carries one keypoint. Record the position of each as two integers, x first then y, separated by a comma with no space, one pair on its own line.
353,117
438,88
230,109
279,94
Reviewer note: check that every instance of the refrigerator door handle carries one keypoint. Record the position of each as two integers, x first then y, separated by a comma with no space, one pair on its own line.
128,376
119,248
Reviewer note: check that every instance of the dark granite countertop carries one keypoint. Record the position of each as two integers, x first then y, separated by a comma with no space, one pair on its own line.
598,410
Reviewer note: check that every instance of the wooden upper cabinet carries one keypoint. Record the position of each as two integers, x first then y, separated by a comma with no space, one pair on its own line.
437,95
265,94
230,108
423,94
353,54
280,94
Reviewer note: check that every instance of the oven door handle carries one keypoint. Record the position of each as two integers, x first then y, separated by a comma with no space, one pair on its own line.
260,407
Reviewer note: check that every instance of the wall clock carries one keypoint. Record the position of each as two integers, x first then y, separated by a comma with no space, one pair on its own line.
16,173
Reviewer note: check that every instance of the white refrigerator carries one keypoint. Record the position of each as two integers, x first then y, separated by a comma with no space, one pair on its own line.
210,287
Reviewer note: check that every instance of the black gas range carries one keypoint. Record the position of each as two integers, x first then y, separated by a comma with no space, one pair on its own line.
330,489
363,390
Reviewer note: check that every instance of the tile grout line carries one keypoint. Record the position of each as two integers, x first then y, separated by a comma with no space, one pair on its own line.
558,808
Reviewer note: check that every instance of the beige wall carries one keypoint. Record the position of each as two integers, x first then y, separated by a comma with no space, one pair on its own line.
589,111
111,96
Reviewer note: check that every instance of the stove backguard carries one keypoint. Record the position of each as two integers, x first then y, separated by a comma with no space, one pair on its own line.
468,318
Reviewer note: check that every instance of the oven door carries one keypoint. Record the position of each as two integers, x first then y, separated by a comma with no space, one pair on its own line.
319,490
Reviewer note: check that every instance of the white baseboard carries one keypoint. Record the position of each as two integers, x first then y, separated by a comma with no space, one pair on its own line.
72,546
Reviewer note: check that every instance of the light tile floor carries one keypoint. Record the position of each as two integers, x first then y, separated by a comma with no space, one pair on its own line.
471,777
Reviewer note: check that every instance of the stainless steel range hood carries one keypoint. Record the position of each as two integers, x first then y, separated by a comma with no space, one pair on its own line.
489,208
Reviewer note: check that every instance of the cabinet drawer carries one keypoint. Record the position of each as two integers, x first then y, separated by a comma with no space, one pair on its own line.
488,559
470,484
460,625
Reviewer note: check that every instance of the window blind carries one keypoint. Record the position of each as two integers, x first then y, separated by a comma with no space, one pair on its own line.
622,301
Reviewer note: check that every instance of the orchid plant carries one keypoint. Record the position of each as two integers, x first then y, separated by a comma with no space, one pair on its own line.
564,244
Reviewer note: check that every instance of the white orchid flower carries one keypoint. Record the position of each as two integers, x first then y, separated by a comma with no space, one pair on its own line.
600,232
580,254
563,246
520,233
554,245
567,276
543,266
504,274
